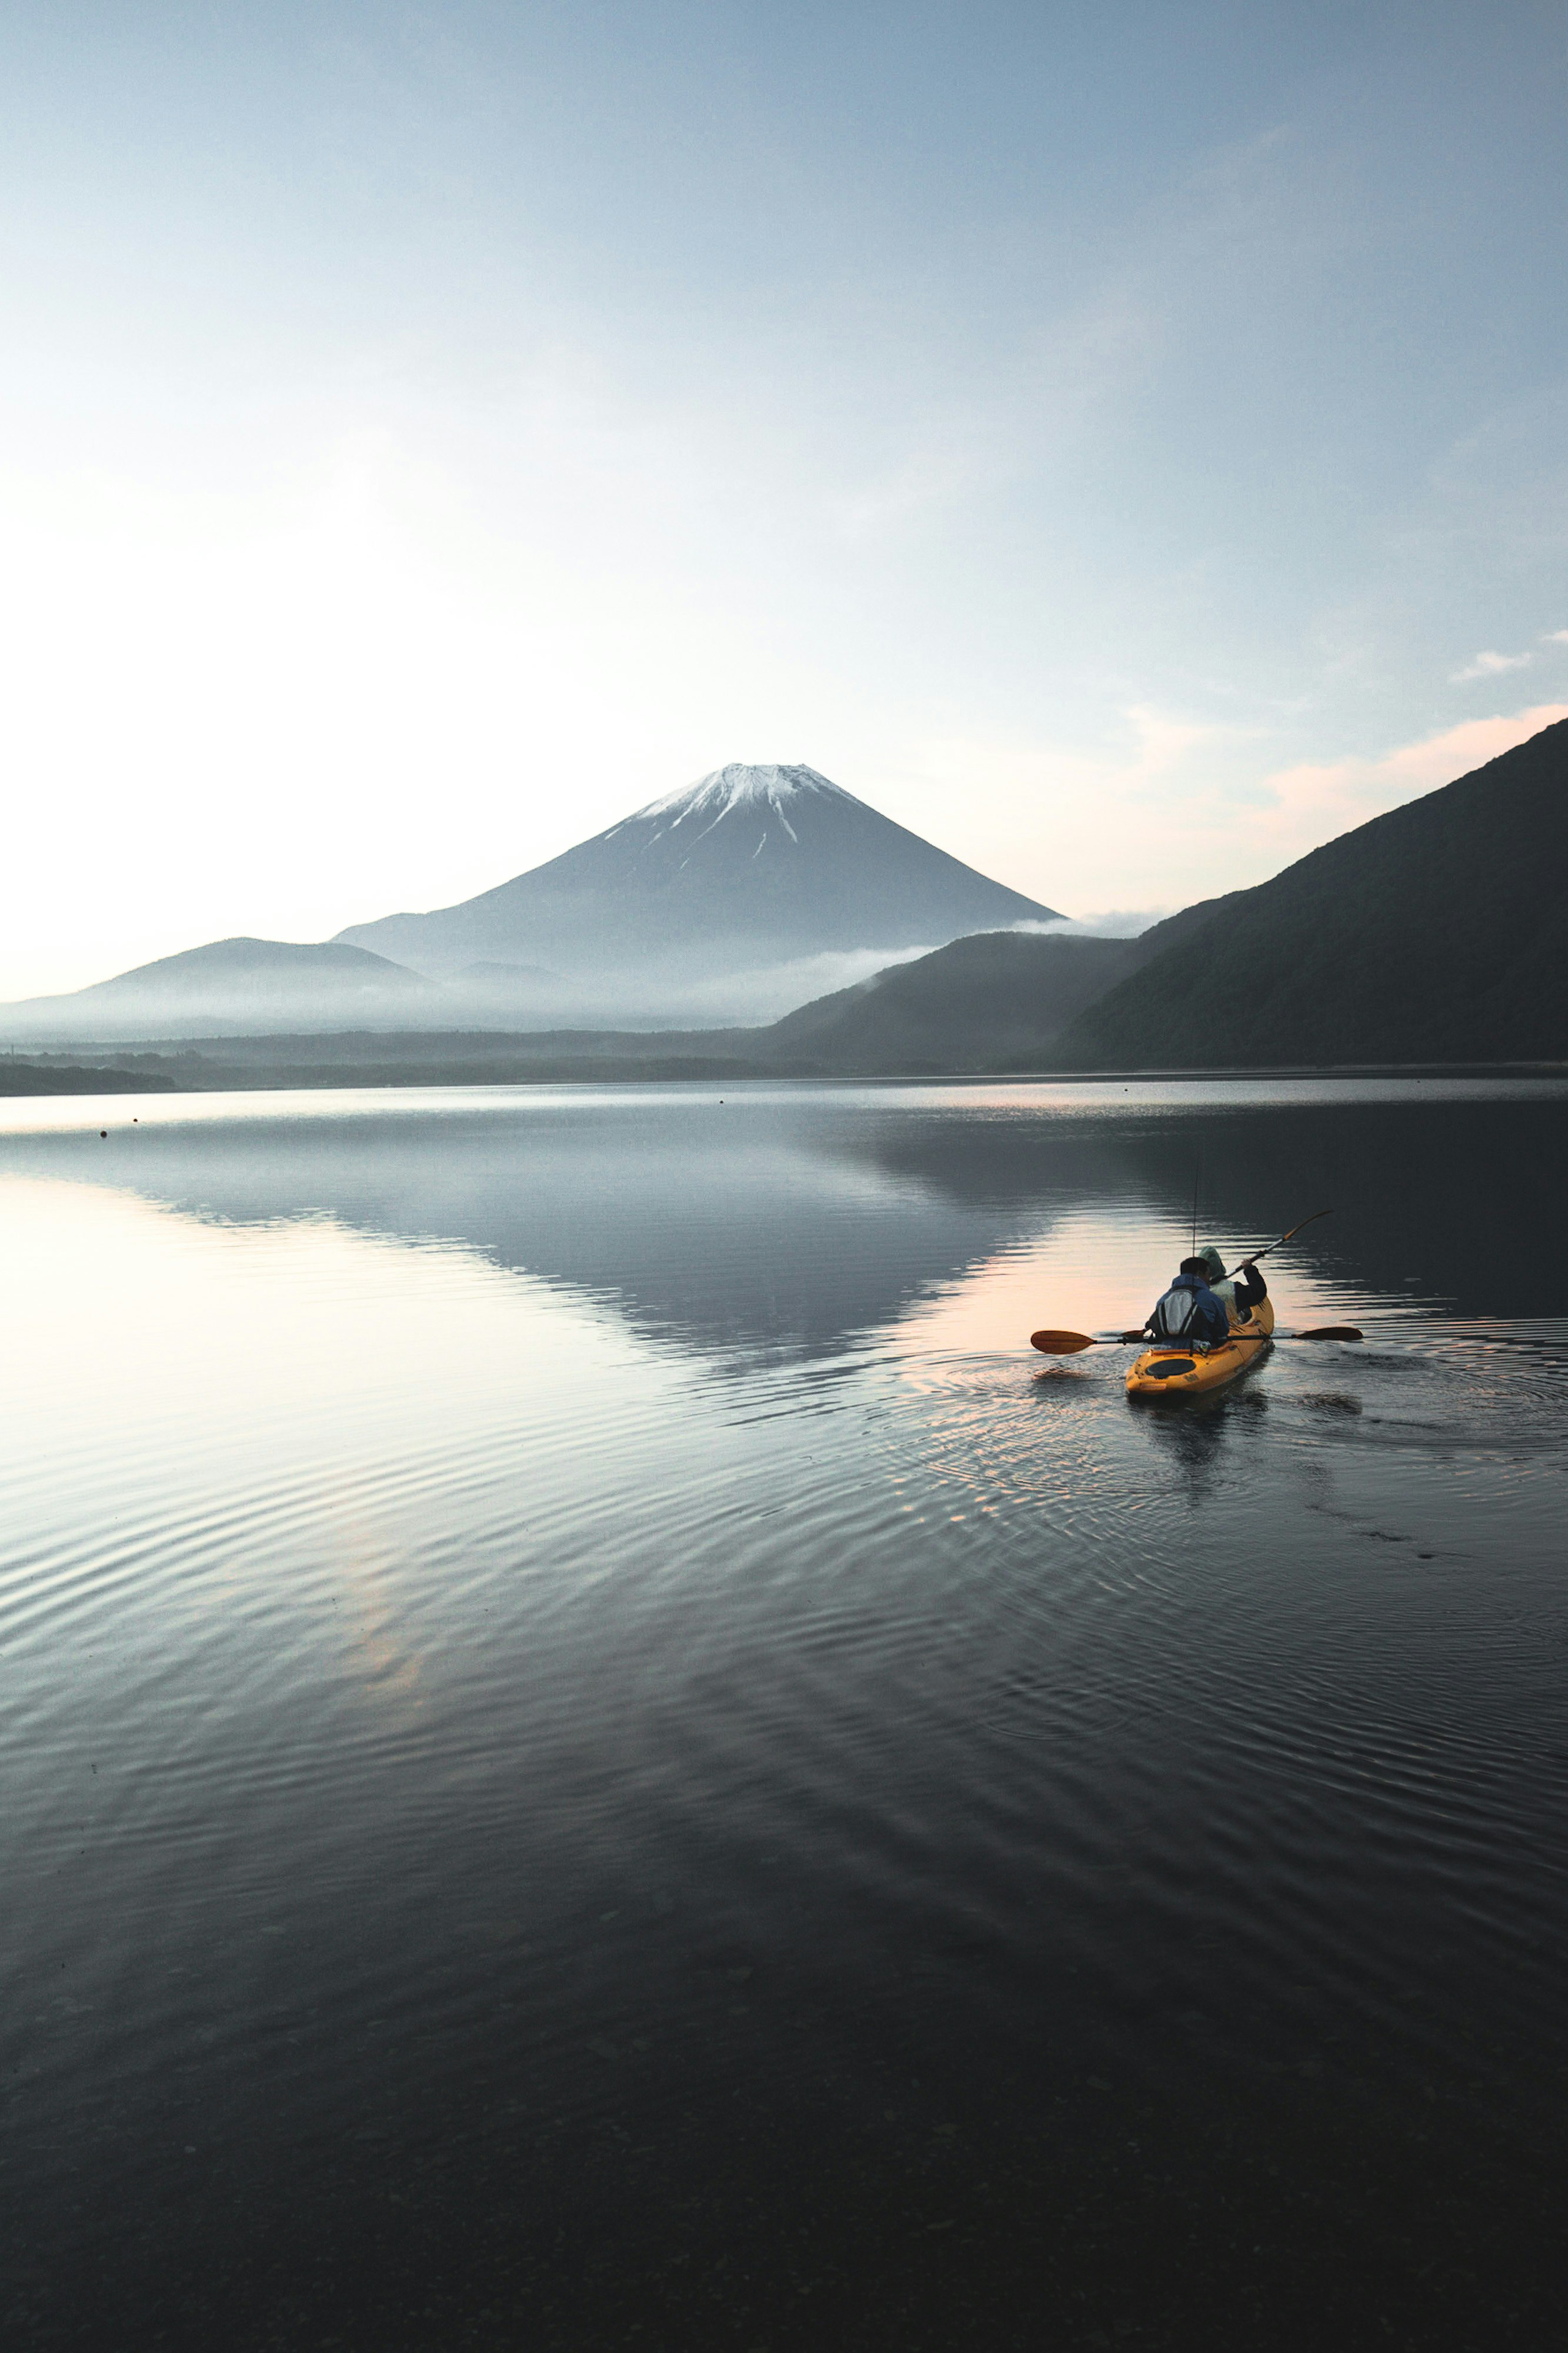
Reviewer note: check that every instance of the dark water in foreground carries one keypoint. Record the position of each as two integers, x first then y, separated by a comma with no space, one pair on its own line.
595,1755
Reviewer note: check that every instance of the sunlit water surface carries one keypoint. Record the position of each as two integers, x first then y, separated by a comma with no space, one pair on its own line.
596,1753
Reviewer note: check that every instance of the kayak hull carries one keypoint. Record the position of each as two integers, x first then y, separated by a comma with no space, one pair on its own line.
1172,1372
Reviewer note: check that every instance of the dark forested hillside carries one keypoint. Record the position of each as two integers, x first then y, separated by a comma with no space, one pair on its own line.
1437,934
996,1001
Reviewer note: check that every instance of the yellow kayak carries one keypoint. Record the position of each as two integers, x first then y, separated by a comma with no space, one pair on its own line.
1169,1371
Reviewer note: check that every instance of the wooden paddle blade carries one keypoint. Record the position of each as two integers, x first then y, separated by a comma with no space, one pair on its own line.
1060,1343
1326,1331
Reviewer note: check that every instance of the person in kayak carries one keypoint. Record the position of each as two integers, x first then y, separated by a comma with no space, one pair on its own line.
1188,1315
1237,1293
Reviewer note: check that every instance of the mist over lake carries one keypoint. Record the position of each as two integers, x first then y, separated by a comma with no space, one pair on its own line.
596,1754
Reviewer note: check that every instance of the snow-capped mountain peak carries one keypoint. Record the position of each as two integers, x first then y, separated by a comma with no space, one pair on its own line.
741,786
752,866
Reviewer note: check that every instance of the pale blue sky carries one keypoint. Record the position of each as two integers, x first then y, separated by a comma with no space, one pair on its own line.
1128,444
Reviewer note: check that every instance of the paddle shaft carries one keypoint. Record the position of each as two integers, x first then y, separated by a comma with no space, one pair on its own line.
1072,1343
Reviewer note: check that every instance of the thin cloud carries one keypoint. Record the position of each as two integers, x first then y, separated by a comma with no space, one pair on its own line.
1490,665
1554,638
1130,823
1315,803
1110,924
1178,812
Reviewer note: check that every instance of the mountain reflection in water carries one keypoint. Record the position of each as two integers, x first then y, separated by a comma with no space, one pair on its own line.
806,1216
597,1754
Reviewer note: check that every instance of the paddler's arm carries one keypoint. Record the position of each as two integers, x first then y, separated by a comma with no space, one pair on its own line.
1249,1288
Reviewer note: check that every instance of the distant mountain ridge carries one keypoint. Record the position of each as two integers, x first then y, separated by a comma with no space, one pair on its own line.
995,1002
284,962
731,898
1435,933
749,866
241,980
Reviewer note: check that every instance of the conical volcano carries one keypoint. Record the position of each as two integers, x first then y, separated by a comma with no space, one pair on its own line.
747,868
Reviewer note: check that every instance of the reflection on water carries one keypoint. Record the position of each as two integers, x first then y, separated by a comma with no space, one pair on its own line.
595,1753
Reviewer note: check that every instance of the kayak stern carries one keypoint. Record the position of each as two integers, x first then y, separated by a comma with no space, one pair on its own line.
1168,1371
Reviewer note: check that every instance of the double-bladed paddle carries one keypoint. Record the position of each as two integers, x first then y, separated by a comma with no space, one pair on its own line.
1069,1344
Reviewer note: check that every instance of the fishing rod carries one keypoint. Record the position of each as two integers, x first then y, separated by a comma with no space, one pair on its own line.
1290,1236
1069,1344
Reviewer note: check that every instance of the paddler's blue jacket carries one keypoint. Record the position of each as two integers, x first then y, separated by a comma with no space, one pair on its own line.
1190,1315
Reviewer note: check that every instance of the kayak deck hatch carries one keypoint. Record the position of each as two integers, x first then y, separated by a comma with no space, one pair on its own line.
1171,1371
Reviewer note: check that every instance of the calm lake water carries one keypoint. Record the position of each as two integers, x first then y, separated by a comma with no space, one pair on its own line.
595,1753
